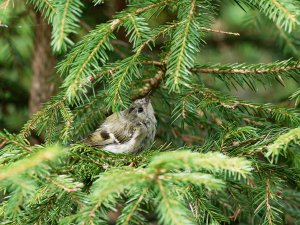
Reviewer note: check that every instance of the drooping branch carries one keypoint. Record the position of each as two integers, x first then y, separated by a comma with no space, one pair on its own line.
283,66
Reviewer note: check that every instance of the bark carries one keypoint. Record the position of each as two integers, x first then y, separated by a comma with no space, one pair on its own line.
43,64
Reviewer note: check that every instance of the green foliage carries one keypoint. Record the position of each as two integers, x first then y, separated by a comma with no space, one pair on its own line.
185,44
218,159
65,22
285,13
280,146
64,16
47,8
249,75
159,178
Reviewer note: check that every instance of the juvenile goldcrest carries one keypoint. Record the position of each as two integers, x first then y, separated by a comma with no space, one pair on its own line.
128,131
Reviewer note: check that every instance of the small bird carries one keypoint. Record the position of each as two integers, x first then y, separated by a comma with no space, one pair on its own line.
128,131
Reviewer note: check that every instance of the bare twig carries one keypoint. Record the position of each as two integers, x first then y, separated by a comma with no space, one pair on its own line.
219,31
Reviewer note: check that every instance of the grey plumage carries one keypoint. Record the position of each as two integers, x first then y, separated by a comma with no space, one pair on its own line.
130,130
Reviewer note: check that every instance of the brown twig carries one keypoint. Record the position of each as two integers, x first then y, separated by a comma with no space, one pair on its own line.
3,143
219,31
150,85
188,139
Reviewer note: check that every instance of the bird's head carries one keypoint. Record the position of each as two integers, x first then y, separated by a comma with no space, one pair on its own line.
140,110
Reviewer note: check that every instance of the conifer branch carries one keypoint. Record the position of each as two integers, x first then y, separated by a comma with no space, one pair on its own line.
207,180
296,97
47,7
169,208
280,114
245,74
287,41
128,213
38,116
186,41
284,13
124,71
68,119
65,22
280,67
267,200
197,161
281,144
88,115
93,49
50,128
7,138
37,158
103,188
276,67
269,214
65,183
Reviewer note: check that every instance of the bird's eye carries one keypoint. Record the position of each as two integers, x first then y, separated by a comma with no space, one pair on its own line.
140,109
130,110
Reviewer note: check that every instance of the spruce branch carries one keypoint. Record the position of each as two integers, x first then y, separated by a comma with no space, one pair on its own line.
65,22
130,213
182,185
103,190
46,154
269,213
92,49
296,96
46,7
97,43
201,179
68,125
137,28
36,119
8,138
266,200
209,211
217,162
214,98
160,171
65,183
287,41
20,189
280,146
284,13
124,71
170,210
88,115
184,46
242,73
277,67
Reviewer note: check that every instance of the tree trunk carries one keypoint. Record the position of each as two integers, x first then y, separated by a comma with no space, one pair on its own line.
43,64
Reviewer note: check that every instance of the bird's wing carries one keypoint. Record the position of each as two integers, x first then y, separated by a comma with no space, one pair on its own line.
110,133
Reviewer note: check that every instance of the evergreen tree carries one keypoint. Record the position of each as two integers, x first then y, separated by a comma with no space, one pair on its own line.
217,159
